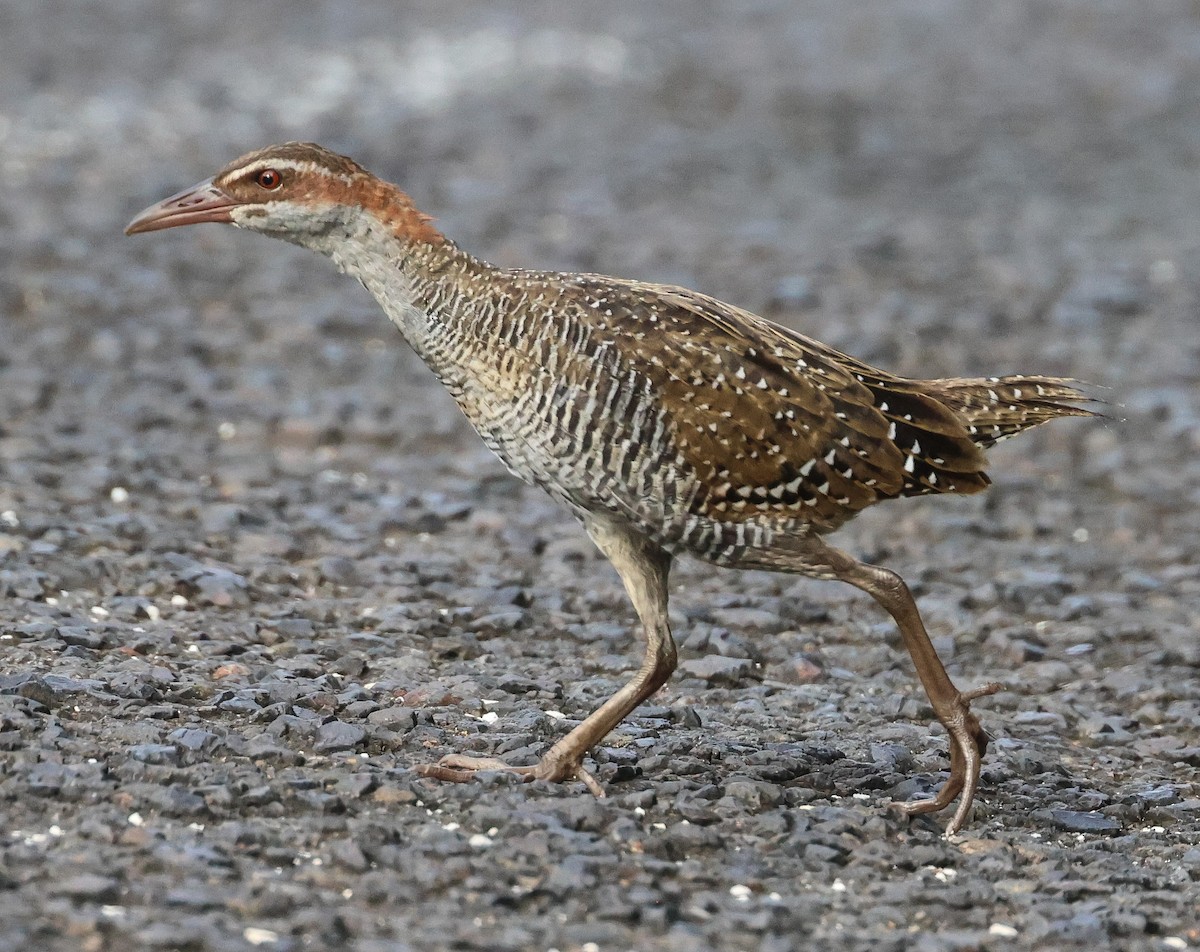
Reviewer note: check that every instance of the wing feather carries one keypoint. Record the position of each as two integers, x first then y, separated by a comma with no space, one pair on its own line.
778,424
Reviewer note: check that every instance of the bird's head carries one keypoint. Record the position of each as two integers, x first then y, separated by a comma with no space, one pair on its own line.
297,191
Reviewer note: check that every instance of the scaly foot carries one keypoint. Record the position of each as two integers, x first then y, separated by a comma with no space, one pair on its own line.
459,768
968,741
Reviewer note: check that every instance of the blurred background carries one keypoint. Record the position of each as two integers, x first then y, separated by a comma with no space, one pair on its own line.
876,173
942,188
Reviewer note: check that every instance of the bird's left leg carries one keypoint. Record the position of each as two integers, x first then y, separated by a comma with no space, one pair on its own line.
644,568
968,740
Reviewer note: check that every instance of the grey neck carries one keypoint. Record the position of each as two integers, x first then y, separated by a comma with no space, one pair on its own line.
410,280
426,289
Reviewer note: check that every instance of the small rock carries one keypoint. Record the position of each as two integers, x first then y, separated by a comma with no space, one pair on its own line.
357,785
87,887
393,718
754,794
81,637
719,641
53,689
803,668
193,739
294,628
510,619
155,753
1160,796
348,854
1050,719
258,796
717,669
1075,821
357,710
746,619
208,584
891,755
338,735
338,570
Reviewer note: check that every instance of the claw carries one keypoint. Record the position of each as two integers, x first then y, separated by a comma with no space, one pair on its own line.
589,781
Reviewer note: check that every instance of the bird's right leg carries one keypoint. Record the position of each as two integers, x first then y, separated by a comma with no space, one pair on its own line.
643,568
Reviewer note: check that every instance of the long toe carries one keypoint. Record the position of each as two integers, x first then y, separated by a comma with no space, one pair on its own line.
945,796
459,768
968,741
965,770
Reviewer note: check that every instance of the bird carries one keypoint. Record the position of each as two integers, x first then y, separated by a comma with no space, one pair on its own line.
667,422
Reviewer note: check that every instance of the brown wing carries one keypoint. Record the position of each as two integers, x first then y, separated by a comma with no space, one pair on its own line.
780,425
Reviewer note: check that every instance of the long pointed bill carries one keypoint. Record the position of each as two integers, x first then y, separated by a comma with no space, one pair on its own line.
200,203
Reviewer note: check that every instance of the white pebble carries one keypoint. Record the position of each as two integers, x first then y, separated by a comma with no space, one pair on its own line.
178,601
739,892
489,717
118,494
1002,930
135,819
226,430
480,840
1175,942
257,936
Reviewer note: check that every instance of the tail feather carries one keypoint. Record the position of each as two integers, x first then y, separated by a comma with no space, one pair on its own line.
995,408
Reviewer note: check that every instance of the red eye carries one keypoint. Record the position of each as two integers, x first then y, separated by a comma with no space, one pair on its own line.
269,179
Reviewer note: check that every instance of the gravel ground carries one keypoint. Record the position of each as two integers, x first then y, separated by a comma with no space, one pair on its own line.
254,567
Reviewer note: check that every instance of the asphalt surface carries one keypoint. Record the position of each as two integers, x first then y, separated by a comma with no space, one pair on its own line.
254,567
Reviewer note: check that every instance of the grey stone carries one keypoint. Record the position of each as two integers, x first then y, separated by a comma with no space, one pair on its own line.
338,735
717,668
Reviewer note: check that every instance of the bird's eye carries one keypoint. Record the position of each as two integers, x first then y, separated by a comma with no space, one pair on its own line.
269,179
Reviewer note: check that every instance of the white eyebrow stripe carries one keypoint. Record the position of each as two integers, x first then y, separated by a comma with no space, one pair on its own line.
292,165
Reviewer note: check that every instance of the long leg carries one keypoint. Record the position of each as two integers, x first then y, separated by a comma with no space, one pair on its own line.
968,740
643,568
